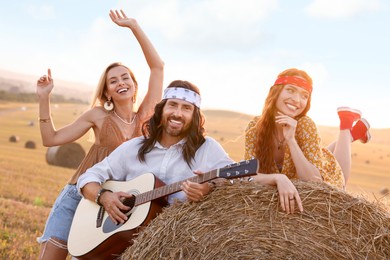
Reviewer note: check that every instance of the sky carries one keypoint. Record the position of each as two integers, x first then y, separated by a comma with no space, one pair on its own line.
232,50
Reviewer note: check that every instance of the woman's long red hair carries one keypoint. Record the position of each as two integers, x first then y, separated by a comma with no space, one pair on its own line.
266,127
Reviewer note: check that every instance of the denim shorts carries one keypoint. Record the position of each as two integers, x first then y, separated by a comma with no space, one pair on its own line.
61,215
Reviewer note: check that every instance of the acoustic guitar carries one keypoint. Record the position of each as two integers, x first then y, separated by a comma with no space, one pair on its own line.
93,235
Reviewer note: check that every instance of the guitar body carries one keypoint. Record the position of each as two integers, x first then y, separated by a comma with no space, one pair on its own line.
87,241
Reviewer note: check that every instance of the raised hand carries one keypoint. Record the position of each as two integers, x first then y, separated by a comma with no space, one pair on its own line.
121,19
45,84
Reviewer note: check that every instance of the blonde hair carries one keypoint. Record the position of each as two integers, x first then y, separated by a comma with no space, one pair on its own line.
99,96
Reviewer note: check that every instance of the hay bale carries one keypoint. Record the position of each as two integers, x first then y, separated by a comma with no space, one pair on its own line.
384,191
67,155
14,139
244,221
30,145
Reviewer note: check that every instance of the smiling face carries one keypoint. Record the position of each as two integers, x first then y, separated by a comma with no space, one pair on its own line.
176,118
119,84
292,100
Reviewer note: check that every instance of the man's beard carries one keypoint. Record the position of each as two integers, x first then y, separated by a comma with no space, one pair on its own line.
176,132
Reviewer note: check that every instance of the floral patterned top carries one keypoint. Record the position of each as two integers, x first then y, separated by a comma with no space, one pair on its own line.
309,141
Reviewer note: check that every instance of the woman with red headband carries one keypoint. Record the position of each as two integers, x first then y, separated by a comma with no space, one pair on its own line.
287,143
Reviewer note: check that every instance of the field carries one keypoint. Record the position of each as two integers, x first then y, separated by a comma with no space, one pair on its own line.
29,186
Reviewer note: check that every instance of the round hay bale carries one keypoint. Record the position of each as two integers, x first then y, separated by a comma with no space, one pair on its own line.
244,221
30,145
384,191
14,139
67,155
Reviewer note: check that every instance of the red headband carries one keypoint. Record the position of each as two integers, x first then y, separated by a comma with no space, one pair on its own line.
296,81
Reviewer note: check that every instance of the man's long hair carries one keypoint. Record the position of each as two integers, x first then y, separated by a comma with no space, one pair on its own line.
266,126
153,129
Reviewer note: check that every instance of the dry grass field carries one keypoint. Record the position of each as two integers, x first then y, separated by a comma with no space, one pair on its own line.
28,185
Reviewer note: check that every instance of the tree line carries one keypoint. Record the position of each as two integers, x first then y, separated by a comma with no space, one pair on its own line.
32,98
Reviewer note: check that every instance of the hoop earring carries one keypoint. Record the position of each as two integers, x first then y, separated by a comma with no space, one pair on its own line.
108,105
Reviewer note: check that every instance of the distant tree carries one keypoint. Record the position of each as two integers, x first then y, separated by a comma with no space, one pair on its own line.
32,97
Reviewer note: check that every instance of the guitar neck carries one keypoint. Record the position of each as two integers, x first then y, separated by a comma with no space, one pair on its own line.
173,188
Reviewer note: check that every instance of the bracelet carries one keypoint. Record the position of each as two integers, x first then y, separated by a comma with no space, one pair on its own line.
44,120
99,194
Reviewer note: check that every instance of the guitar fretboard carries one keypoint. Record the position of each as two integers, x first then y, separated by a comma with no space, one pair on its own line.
174,187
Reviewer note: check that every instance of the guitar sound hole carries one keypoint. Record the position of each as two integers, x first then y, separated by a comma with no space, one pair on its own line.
129,202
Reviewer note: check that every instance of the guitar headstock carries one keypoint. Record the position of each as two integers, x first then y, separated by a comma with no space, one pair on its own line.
239,169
